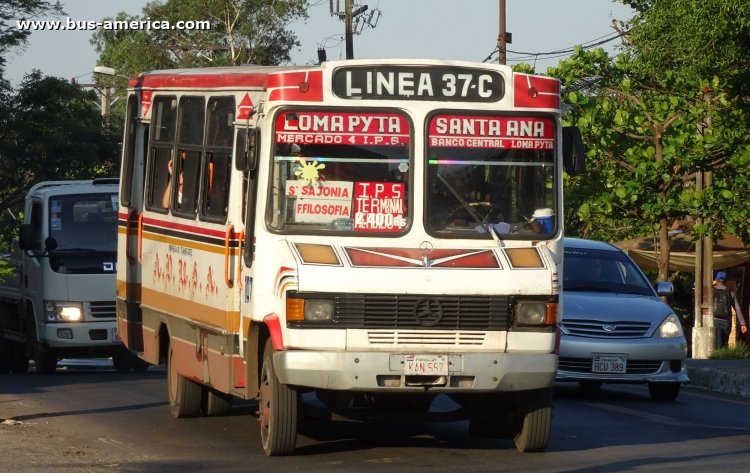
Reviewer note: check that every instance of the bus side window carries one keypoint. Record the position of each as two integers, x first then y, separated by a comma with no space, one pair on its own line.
217,168
161,146
190,150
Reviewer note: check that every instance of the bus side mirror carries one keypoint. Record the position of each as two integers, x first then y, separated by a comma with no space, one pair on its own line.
246,149
574,155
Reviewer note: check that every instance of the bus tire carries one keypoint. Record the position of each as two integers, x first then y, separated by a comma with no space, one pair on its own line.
184,394
278,409
215,403
533,431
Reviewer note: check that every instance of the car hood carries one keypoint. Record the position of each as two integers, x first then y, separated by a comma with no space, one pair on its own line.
612,307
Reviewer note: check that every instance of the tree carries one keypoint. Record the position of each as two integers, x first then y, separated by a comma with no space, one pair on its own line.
10,35
242,31
646,138
693,38
52,130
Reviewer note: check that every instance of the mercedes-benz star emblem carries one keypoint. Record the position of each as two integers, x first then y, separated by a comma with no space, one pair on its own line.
428,312
426,248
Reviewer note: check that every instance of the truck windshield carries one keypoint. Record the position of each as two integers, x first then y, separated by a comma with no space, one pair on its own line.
337,172
84,223
493,171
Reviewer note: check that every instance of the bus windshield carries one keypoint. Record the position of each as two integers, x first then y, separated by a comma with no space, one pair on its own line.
490,174
340,172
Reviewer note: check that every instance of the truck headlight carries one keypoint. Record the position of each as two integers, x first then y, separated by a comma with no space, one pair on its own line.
58,311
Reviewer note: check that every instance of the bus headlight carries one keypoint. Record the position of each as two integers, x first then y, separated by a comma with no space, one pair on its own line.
63,311
533,312
319,310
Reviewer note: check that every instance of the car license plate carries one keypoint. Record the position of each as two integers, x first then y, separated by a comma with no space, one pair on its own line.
609,364
434,365
116,335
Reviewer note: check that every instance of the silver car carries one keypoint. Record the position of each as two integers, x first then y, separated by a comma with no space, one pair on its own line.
615,328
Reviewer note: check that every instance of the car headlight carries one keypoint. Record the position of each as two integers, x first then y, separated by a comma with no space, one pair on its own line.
535,313
670,328
63,311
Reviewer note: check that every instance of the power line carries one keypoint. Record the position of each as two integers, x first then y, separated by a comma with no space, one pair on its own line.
558,53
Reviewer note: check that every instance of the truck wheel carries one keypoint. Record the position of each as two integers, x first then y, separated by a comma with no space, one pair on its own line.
533,431
278,409
6,354
45,361
20,359
122,360
184,394
215,403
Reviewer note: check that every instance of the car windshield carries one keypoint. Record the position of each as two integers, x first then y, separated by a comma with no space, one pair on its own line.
603,271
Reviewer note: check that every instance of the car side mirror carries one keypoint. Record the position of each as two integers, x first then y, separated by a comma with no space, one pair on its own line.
664,288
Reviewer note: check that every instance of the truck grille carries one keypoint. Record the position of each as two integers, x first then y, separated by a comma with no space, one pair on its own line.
102,309
421,312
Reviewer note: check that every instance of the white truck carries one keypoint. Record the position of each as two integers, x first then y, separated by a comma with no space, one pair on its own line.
59,302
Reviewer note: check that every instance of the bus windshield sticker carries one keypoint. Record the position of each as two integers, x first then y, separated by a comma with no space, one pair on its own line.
379,206
374,128
464,131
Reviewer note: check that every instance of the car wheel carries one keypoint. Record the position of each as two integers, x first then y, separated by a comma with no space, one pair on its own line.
590,387
664,391
533,431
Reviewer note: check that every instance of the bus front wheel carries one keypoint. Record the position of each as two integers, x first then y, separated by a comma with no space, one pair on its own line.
532,432
277,409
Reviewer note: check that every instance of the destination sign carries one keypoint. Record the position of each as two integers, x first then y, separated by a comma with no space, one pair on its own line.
442,83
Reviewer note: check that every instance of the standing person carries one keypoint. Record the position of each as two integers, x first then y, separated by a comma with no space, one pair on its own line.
724,300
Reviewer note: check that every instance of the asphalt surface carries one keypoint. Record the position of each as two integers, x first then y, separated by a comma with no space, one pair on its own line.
731,377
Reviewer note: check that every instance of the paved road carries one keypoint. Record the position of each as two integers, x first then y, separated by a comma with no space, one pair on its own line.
99,420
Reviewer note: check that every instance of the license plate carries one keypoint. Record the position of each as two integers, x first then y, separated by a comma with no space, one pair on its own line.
425,364
116,335
609,364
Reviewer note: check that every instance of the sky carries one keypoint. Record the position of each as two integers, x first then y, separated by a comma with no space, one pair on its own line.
440,29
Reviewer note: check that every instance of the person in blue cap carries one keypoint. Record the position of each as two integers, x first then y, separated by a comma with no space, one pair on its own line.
724,301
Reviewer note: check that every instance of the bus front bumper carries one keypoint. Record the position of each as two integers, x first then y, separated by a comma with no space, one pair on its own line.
384,371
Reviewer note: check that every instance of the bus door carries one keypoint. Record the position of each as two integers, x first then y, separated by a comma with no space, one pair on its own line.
131,200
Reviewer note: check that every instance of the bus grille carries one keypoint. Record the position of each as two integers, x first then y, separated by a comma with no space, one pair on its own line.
421,312
102,309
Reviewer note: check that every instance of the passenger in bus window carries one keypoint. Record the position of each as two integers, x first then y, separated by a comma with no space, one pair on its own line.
168,190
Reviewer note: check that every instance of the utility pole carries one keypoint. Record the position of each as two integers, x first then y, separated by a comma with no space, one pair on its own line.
501,42
348,29
704,335
503,38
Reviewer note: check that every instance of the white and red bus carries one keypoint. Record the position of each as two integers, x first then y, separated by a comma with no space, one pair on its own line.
379,233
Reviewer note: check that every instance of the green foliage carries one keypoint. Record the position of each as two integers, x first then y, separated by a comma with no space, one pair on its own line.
739,351
242,32
12,10
51,129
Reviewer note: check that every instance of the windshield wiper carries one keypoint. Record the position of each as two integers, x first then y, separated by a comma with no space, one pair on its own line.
487,228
